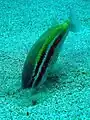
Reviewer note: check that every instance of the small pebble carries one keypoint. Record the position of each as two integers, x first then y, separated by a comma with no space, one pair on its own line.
34,102
27,113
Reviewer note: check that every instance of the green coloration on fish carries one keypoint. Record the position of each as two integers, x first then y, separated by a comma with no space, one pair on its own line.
44,53
53,32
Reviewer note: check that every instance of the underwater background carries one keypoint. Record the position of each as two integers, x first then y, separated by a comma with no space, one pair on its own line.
66,93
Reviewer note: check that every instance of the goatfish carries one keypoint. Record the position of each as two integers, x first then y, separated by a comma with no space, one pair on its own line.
44,53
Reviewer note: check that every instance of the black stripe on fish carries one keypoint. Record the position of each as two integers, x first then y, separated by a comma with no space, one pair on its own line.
48,57
36,69
39,63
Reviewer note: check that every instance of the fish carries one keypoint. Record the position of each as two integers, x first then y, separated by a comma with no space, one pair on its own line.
45,51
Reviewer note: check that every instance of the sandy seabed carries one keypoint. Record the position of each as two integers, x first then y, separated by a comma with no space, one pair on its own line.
66,93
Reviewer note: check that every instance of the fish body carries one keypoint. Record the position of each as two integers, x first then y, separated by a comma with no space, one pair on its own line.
44,54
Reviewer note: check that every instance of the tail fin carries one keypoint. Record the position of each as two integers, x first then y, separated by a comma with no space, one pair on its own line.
75,24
